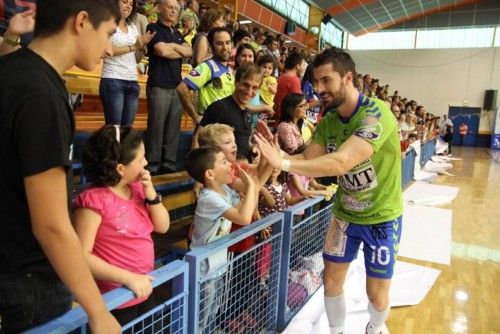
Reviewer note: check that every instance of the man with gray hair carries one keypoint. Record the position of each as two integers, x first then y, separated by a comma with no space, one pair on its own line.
166,50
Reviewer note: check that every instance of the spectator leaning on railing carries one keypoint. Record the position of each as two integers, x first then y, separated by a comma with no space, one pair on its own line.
40,250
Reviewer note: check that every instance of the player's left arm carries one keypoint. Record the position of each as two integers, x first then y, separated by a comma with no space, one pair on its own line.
353,151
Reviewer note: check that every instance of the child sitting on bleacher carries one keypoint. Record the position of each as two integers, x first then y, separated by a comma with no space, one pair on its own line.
114,217
217,208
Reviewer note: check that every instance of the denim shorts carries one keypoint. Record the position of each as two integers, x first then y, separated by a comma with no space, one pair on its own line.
27,300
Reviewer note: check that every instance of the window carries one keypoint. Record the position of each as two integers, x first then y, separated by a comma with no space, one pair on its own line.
382,40
427,39
295,10
332,34
455,38
497,37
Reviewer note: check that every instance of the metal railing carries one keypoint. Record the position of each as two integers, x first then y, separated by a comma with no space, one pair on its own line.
170,316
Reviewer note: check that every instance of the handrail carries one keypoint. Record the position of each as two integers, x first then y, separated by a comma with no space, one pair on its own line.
77,317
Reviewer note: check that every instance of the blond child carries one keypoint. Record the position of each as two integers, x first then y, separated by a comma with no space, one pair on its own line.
269,83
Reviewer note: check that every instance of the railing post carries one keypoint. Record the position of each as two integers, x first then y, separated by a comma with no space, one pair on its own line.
275,271
194,293
180,307
285,265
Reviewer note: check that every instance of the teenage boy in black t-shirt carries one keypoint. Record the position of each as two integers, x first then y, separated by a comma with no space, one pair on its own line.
39,249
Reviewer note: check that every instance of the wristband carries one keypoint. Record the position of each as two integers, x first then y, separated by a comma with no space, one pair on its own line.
285,165
12,42
156,200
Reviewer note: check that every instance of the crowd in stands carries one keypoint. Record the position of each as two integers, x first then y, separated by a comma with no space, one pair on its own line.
238,78
415,122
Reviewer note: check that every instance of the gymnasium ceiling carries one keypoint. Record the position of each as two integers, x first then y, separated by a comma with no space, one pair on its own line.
362,16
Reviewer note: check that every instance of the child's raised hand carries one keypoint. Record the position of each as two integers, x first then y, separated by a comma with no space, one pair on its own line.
140,284
245,177
149,190
266,233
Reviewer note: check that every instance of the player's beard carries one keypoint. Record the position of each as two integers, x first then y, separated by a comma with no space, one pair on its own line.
335,99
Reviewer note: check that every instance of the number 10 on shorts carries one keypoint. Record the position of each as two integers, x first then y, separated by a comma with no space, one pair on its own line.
380,255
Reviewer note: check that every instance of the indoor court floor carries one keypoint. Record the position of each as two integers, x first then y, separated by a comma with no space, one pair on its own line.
466,296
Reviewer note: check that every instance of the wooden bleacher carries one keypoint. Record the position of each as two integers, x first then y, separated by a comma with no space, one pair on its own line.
90,115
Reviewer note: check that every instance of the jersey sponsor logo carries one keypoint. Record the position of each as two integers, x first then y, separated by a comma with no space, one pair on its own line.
370,132
360,178
194,73
353,204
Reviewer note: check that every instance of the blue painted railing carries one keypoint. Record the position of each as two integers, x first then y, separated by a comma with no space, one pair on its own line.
173,310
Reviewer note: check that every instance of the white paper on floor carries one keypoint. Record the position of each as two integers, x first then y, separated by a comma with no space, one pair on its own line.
425,176
441,146
436,167
440,158
426,234
429,194
410,284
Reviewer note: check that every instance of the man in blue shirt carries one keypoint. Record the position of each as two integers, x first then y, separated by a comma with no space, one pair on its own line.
166,50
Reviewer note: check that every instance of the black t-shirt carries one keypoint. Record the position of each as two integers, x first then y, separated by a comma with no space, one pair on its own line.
163,72
36,132
227,111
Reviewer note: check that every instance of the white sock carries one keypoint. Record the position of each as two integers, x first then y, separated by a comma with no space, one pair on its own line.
335,311
377,319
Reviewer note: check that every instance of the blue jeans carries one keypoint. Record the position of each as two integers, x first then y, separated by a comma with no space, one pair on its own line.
30,299
119,99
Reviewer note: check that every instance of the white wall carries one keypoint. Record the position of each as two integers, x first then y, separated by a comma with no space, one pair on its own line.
436,78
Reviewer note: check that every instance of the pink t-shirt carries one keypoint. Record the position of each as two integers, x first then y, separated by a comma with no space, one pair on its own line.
124,235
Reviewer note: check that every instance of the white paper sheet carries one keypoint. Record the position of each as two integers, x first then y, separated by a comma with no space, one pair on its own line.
436,167
424,176
421,192
410,284
441,146
426,234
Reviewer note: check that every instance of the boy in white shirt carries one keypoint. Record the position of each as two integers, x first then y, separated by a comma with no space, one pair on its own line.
217,208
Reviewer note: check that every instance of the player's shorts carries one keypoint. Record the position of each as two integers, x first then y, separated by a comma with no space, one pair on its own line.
380,245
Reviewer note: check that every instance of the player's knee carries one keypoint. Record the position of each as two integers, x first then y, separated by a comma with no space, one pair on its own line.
379,299
334,285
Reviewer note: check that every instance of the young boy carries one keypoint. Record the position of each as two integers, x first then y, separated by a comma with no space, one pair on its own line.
217,208
222,135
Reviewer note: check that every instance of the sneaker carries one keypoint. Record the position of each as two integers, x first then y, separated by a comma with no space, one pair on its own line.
384,329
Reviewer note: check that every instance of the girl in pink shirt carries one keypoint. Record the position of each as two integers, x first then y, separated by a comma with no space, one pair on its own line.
114,217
